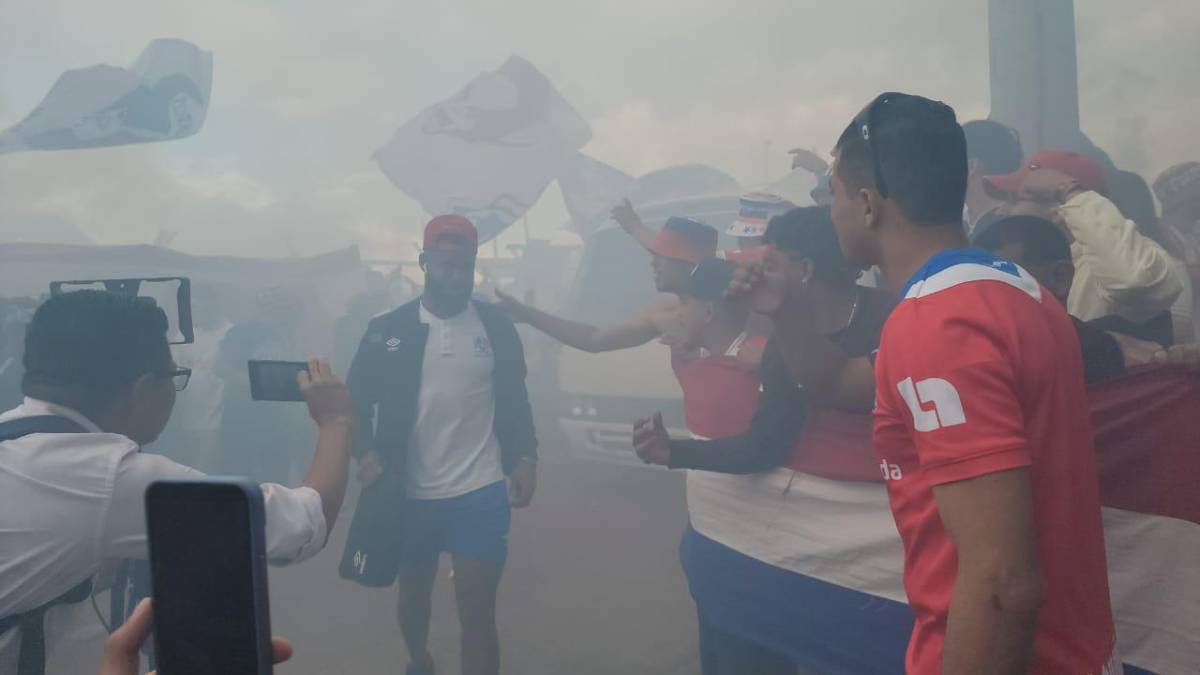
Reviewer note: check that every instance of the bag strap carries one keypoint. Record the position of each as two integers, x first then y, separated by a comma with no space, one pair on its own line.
38,424
31,659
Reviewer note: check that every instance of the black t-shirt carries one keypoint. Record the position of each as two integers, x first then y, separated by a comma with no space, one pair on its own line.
780,415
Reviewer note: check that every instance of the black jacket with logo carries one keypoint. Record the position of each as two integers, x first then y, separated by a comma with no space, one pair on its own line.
385,381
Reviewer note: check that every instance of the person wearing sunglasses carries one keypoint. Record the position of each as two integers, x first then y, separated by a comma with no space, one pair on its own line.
981,413
100,384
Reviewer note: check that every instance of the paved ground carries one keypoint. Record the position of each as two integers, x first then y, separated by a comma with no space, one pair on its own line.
593,588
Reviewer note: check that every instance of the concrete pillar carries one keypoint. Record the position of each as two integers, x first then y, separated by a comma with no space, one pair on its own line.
1034,75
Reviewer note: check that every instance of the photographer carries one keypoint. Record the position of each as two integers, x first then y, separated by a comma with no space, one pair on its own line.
100,382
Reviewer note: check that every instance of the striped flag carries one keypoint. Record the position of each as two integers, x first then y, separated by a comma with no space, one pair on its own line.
807,559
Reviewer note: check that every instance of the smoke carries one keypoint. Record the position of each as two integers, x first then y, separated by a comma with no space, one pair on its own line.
303,94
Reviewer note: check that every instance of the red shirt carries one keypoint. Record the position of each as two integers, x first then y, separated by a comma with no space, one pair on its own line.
979,371
720,393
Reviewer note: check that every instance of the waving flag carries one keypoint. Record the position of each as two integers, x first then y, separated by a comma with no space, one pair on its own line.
590,189
489,151
807,560
162,96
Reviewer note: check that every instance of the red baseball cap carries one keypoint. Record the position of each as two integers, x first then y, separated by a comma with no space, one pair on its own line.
1077,166
452,225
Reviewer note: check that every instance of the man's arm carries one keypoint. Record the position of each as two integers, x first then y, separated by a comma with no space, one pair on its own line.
332,409
629,221
998,589
1136,274
633,332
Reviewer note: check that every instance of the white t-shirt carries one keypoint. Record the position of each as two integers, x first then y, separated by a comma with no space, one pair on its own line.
71,502
454,448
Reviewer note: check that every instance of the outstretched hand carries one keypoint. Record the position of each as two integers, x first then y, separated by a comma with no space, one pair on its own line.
514,309
809,161
651,441
626,217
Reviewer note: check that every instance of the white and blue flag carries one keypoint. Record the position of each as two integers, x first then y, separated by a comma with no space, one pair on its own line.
163,96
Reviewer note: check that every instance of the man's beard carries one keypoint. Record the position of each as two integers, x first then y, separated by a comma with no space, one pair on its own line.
450,295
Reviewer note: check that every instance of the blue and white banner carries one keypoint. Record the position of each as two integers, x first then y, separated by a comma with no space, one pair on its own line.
489,151
163,96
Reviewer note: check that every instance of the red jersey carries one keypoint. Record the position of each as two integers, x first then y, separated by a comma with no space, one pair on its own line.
720,393
979,371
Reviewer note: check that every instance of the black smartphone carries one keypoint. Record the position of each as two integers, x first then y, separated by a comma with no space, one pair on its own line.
208,577
276,380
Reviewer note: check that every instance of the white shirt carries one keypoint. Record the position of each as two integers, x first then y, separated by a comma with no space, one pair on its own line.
70,502
454,448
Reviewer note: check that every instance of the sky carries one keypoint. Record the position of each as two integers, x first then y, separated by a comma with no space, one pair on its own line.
304,91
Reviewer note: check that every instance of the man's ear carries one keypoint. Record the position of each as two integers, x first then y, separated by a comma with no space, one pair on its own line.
421,261
872,204
805,268
144,387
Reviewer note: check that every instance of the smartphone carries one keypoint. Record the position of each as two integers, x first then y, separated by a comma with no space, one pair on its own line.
208,577
276,380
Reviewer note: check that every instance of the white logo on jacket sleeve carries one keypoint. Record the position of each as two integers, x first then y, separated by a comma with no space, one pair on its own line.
947,406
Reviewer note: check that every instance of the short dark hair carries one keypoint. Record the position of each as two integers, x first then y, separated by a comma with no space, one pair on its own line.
94,344
1133,198
709,281
997,147
1041,240
808,232
920,151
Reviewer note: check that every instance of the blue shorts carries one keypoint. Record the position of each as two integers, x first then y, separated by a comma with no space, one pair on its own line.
474,525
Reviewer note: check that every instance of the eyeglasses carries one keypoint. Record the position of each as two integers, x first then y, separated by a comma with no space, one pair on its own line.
179,377
862,125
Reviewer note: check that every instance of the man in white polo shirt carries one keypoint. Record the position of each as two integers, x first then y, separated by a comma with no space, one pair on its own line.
444,379
100,383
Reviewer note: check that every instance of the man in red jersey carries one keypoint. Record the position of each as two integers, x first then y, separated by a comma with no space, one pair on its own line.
981,415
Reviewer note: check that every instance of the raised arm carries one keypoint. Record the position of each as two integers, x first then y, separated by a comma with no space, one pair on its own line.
629,221
1136,274
633,332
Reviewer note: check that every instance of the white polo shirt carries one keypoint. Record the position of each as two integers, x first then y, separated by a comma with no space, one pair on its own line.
454,449
70,502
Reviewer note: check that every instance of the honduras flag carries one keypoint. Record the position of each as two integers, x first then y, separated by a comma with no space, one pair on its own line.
806,559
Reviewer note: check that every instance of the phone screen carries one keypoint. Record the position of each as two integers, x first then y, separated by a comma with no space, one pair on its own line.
202,567
275,380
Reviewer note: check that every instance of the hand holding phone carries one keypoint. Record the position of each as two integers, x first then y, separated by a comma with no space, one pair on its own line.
208,569
327,397
276,380
122,651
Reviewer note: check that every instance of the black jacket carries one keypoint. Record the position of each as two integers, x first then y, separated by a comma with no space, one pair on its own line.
385,380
